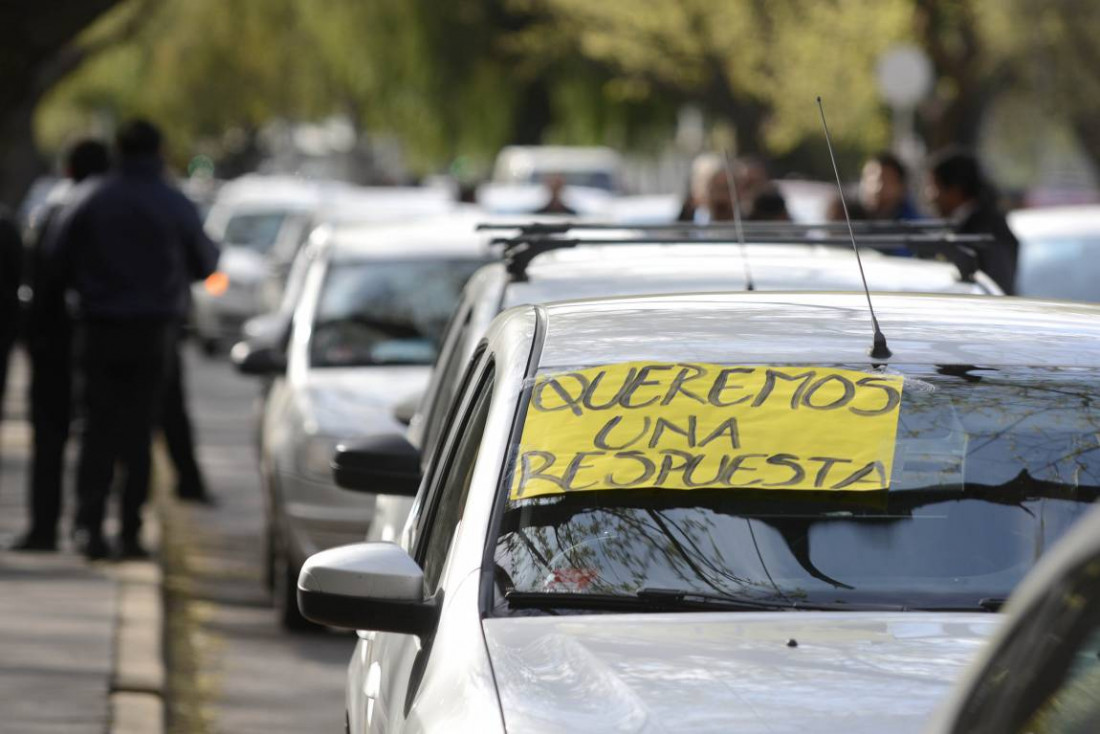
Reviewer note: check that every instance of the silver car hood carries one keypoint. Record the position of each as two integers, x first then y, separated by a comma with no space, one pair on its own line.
360,400
730,672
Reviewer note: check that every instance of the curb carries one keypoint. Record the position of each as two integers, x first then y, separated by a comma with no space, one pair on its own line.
138,679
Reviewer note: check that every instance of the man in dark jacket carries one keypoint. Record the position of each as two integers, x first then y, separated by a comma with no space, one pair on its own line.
958,189
11,269
49,341
129,248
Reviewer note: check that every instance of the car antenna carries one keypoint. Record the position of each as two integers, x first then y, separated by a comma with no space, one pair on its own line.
879,350
749,284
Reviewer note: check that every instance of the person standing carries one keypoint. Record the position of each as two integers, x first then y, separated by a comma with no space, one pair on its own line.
49,341
555,204
129,249
884,189
960,192
11,275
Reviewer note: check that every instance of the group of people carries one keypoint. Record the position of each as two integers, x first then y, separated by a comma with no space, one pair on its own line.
955,187
110,270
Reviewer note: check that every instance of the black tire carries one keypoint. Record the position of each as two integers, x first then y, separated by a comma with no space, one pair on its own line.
285,592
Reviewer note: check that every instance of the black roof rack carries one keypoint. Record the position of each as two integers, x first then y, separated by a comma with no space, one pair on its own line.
868,225
928,237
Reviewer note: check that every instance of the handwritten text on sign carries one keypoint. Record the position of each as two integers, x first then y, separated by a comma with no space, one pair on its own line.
693,426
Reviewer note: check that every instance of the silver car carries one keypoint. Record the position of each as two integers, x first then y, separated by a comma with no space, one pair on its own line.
373,301
717,513
623,270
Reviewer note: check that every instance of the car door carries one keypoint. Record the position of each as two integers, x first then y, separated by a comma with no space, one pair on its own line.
395,663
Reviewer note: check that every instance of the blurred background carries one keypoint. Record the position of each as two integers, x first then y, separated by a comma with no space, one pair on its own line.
387,92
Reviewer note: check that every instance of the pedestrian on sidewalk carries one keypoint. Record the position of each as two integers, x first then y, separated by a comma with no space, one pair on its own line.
11,275
129,249
49,342
959,190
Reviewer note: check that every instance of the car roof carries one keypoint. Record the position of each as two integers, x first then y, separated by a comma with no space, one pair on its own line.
1054,221
772,267
450,235
824,328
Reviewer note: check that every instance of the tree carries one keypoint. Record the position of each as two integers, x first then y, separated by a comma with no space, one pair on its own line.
40,46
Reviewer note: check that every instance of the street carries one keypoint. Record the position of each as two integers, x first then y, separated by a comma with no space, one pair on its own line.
227,655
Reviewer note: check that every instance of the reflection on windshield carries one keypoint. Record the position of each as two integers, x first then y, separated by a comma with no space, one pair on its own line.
991,467
385,312
255,231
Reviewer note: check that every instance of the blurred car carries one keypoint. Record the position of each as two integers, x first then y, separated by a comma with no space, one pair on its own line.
623,270
343,206
248,217
1041,672
715,513
1058,248
586,167
363,336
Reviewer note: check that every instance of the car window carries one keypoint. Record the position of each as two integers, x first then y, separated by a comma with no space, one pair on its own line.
1046,675
256,231
972,473
453,484
1059,267
445,378
385,312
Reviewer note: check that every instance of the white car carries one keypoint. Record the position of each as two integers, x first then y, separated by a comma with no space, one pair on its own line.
715,513
585,167
1058,248
625,270
248,217
363,336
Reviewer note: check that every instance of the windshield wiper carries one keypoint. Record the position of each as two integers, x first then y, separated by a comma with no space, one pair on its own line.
648,599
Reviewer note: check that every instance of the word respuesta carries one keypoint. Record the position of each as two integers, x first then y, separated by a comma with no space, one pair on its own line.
693,426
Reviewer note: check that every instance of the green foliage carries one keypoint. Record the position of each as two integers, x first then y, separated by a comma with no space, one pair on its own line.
460,78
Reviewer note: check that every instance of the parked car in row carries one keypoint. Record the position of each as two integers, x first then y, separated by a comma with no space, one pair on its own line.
625,270
362,337
1058,247
717,512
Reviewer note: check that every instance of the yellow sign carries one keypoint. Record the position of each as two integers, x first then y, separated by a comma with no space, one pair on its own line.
641,425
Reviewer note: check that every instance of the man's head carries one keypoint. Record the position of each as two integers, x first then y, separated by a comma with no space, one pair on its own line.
954,179
883,185
138,139
87,158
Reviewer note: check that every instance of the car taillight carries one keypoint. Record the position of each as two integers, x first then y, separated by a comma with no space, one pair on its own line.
217,283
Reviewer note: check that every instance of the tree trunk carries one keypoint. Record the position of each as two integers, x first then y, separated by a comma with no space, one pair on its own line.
36,51
20,162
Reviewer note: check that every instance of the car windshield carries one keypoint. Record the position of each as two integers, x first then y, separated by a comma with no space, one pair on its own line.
922,487
386,312
257,231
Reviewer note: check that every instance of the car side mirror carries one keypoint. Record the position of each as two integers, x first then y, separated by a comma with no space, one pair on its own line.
367,586
257,361
383,464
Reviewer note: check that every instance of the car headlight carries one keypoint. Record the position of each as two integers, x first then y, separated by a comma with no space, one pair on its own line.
315,459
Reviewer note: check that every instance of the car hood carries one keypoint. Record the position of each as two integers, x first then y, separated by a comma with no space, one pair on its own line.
723,672
357,401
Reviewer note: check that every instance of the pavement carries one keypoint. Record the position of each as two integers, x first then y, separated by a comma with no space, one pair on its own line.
186,643
80,643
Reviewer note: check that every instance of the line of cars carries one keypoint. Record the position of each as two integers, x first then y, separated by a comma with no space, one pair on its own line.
668,570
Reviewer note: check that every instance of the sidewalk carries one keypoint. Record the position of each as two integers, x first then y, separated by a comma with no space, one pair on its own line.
80,643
